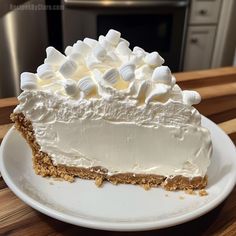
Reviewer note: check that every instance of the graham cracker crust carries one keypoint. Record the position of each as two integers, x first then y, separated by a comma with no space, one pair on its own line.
43,166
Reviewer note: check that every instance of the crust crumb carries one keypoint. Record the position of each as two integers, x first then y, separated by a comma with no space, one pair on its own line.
166,195
190,192
143,181
114,182
57,179
203,193
181,198
69,178
99,181
146,186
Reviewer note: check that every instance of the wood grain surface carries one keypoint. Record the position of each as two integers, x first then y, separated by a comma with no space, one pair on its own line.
218,90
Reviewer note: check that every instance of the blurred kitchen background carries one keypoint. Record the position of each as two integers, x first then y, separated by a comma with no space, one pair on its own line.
189,34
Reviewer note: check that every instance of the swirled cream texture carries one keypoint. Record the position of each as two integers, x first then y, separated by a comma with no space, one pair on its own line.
104,104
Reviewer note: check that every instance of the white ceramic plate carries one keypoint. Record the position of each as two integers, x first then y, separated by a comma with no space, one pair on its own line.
122,207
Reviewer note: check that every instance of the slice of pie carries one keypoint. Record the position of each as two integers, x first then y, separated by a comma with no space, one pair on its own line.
105,112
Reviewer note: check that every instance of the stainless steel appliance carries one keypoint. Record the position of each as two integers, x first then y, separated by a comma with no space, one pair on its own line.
154,25
23,38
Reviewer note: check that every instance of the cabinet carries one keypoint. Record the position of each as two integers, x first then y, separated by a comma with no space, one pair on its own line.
204,11
199,47
201,33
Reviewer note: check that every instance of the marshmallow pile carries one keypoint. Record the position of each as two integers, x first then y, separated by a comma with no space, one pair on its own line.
91,66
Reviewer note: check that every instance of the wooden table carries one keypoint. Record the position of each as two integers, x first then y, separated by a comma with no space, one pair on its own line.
218,90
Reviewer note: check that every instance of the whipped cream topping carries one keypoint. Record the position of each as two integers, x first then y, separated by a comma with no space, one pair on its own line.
103,104
45,107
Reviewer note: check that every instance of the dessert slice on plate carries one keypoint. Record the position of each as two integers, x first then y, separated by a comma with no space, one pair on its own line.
105,112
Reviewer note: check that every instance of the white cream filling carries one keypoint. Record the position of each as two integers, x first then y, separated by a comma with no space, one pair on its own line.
125,147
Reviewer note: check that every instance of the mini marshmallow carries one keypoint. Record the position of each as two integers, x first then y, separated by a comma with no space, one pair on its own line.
54,56
28,81
45,71
113,57
76,57
154,59
104,43
173,80
99,52
162,74
86,85
111,76
68,68
191,97
158,91
139,51
82,48
125,41
136,60
92,62
113,37
127,72
70,87
123,49
97,75
91,42
68,50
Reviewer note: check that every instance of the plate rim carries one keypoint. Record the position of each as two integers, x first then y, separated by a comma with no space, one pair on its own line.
120,226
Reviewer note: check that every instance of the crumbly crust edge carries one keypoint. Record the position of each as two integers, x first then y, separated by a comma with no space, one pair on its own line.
43,166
